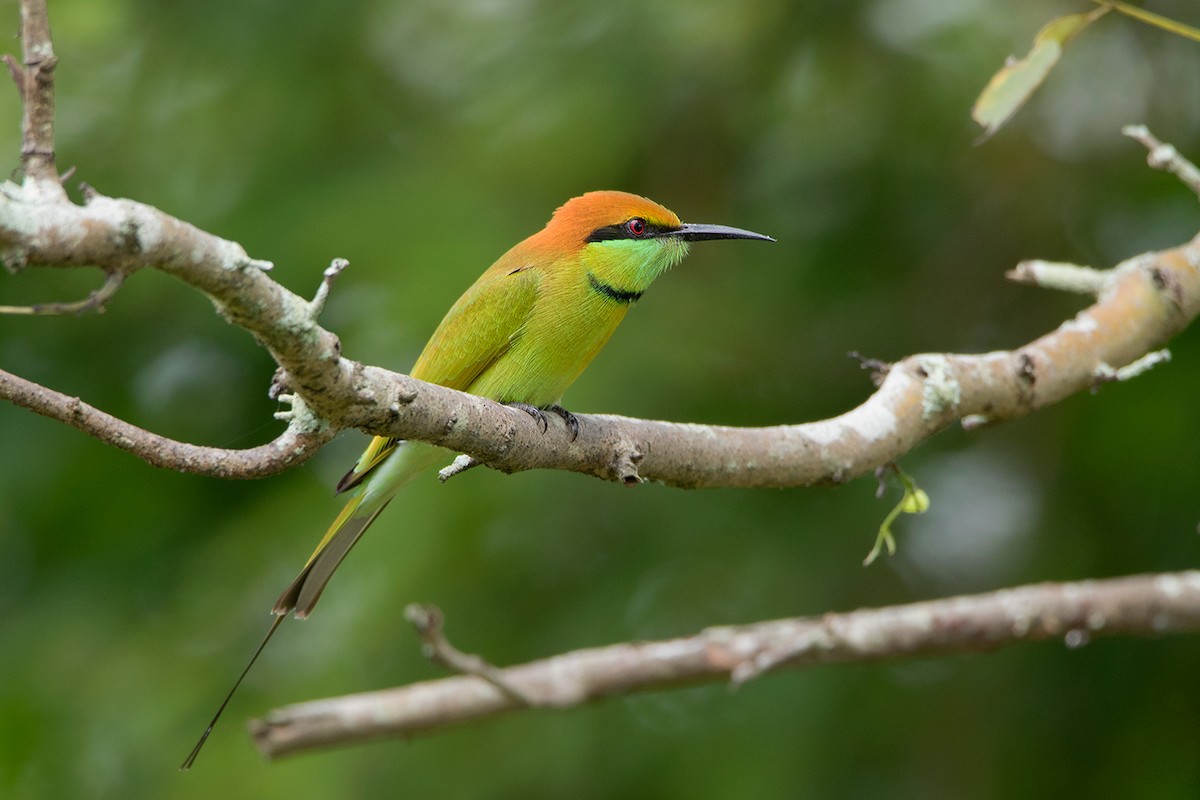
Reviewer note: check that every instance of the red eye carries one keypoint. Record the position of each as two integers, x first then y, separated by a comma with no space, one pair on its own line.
636,226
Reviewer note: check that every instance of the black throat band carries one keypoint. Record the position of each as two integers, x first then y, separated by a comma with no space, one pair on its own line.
611,292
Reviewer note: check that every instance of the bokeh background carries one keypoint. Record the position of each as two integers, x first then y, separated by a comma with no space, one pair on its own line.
420,139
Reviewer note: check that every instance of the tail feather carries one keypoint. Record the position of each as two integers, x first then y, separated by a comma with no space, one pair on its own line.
390,467
287,600
304,592
191,757
390,464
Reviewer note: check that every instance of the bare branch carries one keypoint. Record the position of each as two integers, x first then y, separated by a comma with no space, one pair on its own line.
93,302
302,439
36,84
1165,157
1146,605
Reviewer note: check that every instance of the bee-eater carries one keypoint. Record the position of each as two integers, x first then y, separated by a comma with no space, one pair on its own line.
521,334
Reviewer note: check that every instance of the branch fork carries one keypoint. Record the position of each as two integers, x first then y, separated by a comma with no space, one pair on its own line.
429,621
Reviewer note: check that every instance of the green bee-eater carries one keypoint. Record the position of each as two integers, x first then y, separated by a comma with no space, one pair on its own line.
521,334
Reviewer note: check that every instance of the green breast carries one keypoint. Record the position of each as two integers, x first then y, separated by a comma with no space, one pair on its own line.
570,322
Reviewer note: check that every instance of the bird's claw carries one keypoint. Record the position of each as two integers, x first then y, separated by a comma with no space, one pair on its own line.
539,416
569,419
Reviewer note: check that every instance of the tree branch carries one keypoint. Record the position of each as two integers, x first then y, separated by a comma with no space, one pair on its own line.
301,440
35,81
1145,605
1141,305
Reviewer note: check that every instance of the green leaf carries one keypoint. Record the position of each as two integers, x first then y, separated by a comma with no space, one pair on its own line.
1009,88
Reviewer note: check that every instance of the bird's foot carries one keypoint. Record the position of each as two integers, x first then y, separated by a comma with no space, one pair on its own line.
539,416
569,419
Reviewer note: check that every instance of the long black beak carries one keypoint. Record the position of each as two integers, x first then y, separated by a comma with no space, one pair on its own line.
702,233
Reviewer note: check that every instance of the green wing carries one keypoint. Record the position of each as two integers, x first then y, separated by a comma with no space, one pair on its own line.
479,328
474,334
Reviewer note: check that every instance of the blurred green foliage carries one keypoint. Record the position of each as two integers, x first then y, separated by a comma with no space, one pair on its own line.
421,139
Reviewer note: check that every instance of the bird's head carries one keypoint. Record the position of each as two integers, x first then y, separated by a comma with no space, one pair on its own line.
625,240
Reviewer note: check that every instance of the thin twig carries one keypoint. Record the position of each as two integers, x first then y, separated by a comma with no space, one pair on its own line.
335,268
429,623
1056,275
878,368
93,302
1165,157
1106,374
459,465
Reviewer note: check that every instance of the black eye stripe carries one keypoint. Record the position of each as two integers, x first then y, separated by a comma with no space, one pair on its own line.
621,231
